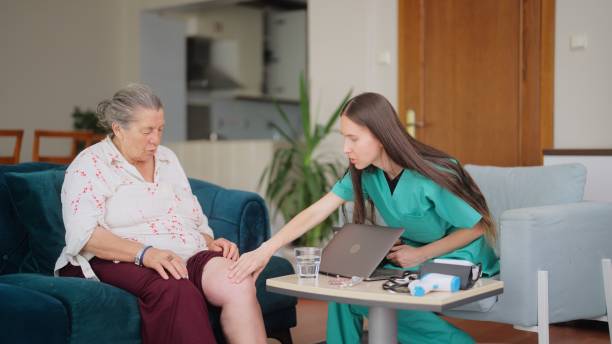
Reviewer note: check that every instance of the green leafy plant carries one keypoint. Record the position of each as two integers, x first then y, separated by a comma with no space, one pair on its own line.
296,178
86,120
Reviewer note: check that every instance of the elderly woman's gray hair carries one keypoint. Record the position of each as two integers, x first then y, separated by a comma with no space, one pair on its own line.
120,108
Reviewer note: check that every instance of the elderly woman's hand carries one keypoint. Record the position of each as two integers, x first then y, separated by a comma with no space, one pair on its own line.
229,249
165,260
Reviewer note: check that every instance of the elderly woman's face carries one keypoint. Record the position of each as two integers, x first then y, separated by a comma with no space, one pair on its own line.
140,139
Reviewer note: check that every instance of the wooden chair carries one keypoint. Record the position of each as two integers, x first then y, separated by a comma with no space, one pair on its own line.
87,138
18,135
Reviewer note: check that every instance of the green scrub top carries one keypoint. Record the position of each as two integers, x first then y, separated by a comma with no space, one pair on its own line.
426,211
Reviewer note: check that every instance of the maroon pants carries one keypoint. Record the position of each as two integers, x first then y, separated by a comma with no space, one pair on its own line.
172,311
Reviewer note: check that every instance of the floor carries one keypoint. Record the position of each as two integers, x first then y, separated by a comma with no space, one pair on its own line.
312,315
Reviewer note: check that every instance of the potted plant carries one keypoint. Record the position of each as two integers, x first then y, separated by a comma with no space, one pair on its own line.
86,120
296,177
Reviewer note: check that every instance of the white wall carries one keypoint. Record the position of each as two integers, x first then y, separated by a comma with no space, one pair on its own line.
583,78
598,186
54,56
345,39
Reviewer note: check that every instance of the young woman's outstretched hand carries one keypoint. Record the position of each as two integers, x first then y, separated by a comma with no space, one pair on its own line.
250,263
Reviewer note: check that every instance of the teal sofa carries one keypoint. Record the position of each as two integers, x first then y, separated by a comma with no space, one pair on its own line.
36,307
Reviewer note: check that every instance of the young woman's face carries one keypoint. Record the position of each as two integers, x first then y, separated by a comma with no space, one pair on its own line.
360,145
139,141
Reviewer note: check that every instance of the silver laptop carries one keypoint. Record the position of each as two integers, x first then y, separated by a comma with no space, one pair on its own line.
357,250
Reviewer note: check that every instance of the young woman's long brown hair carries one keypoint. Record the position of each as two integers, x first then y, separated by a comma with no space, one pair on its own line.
373,111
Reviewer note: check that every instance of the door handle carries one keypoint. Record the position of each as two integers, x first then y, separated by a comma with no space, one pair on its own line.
412,123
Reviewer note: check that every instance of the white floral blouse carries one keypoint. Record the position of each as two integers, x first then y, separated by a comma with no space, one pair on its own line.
101,188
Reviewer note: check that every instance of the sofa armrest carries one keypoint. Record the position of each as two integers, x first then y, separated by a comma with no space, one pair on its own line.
27,316
239,216
98,312
245,210
568,241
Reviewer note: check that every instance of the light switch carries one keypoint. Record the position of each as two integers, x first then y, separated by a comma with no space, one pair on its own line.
578,42
384,57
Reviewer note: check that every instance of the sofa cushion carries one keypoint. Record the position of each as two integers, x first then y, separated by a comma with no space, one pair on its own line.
99,312
13,236
507,188
36,198
31,317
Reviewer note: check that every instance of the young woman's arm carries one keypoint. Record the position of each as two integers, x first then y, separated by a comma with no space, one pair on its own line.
408,256
253,262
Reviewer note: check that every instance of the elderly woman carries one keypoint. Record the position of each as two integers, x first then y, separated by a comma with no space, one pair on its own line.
132,221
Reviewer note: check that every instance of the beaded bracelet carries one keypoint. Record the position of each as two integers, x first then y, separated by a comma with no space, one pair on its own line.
138,259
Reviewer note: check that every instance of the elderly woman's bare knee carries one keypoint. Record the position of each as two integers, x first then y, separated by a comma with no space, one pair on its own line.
219,289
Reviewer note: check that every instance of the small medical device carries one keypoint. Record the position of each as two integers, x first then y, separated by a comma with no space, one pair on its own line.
434,281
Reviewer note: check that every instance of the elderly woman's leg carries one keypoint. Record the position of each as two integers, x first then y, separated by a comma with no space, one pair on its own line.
240,312
172,311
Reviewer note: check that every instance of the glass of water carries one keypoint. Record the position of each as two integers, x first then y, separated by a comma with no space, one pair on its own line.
307,261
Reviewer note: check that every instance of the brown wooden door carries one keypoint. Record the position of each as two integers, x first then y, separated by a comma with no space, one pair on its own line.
478,76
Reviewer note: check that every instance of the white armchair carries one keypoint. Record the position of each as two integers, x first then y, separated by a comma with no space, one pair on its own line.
554,248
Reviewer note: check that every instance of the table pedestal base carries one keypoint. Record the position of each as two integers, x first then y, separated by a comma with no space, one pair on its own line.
382,324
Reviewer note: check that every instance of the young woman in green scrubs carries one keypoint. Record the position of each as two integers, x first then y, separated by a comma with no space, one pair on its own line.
413,186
